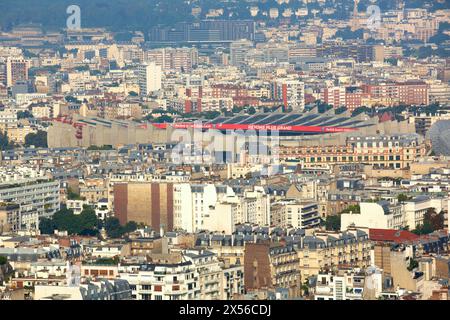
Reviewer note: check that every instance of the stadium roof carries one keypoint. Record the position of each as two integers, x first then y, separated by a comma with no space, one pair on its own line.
290,122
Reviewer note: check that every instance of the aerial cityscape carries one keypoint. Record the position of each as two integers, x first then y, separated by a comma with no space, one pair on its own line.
253,150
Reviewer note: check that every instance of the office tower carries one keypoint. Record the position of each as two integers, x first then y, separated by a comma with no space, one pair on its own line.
149,78
238,51
16,70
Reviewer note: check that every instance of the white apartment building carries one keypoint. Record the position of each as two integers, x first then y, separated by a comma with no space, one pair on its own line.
76,205
103,289
374,215
7,117
256,207
37,195
414,210
162,281
193,203
297,214
217,208
25,98
232,282
381,215
150,78
209,271
222,217
293,94
346,285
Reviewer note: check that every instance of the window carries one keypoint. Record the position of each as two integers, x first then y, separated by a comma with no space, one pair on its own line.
158,289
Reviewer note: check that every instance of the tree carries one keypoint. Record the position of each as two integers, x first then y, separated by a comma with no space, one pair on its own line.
340,110
24,114
5,144
412,264
113,227
403,197
333,223
360,110
65,220
115,230
251,110
47,226
3,260
131,226
431,222
352,208
72,99
88,221
323,107
132,94
38,139
164,119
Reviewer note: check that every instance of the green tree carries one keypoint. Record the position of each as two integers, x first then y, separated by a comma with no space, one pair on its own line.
164,119
352,208
432,221
251,110
130,227
333,223
72,195
38,139
24,114
47,226
88,221
113,227
340,110
3,260
5,144
412,264
403,197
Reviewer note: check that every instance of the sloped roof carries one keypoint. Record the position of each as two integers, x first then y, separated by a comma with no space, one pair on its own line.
392,235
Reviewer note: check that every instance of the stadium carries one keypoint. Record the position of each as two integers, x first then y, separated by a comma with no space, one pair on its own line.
291,124
299,127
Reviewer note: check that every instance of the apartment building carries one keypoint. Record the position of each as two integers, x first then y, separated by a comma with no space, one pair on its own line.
193,203
38,197
149,76
381,215
16,70
209,272
269,265
178,59
232,282
9,217
408,93
148,203
395,152
103,289
296,214
324,250
345,285
176,281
